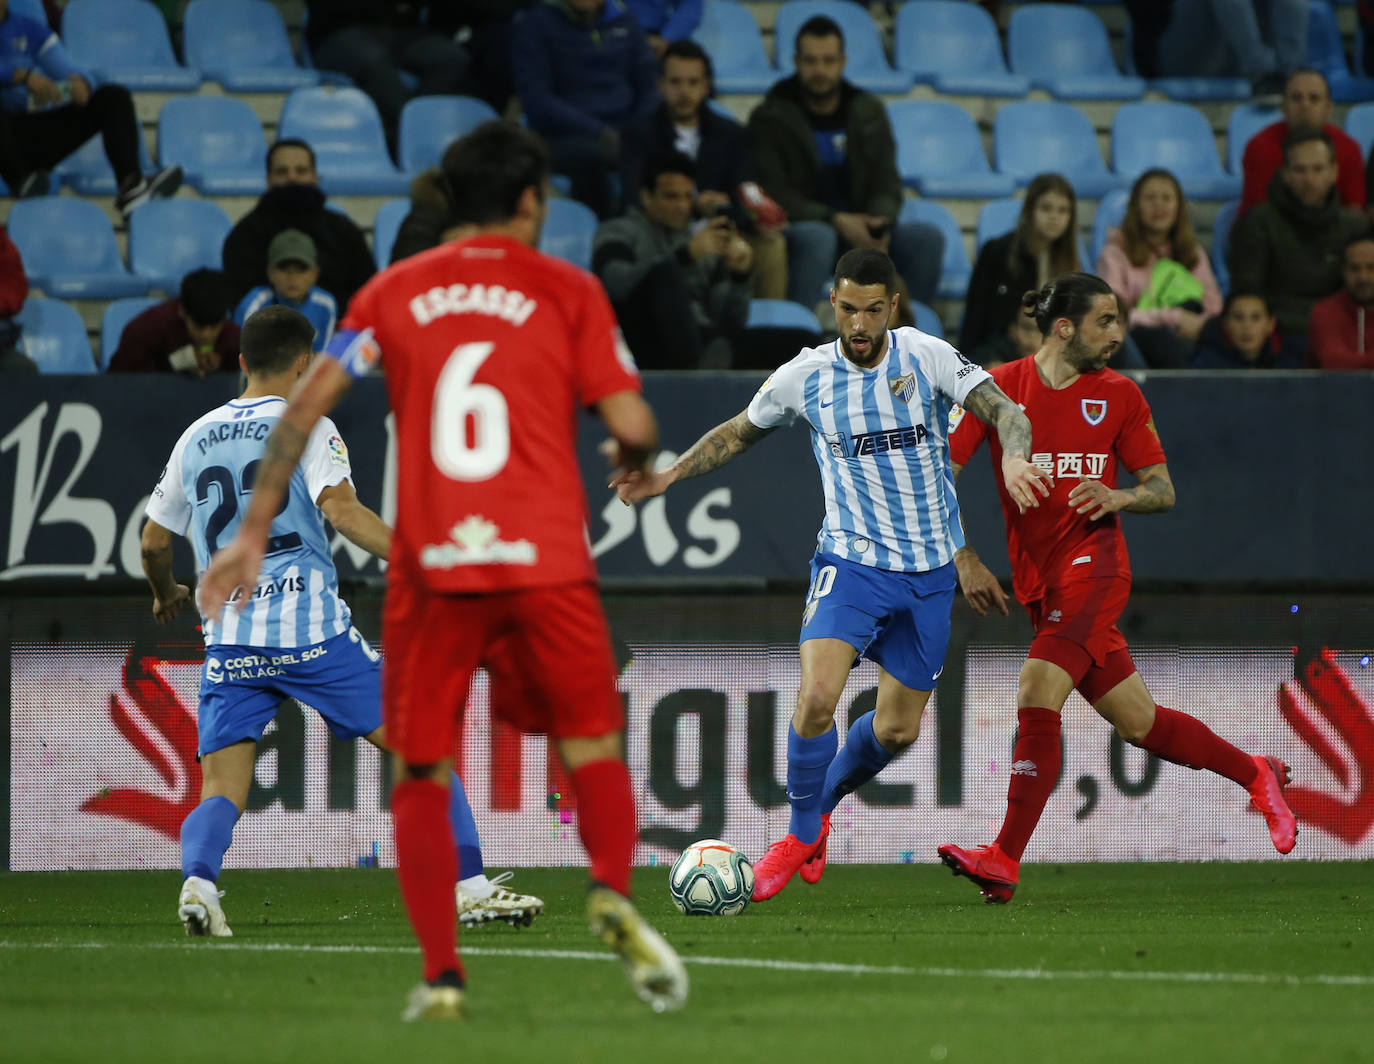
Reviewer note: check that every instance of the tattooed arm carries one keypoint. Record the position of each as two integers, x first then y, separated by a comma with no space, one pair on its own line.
710,452
990,405
1153,493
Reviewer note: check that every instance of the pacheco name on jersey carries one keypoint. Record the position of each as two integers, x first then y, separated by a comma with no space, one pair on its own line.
476,542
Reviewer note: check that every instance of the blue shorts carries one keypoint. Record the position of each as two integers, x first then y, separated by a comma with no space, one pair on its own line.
241,687
899,620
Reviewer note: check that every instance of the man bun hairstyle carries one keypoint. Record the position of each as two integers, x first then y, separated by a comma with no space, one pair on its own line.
273,338
487,169
866,266
1069,295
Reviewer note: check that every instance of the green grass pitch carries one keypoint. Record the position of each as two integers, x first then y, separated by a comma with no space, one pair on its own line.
1140,962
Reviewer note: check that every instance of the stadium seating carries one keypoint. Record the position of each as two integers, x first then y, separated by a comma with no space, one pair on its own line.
997,217
940,151
117,315
866,64
390,215
1245,121
1111,210
1032,137
1190,90
242,44
955,268
1221,240
953,46
1359,123
927,320
1177,137
88,172
218,141
30,9
69,249
429,123
169,238
344,130
125,41
568,231
54,337
780,314
1326,52
732,39
1065,50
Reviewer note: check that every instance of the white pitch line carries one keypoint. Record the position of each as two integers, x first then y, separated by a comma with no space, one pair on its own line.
1018,974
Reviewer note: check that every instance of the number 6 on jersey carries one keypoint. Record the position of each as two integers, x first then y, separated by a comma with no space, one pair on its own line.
456,400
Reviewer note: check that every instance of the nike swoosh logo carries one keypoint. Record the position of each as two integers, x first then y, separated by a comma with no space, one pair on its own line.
829,404
800,797
937,674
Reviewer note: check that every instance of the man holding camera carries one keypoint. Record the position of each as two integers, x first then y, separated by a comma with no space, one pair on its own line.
680,290
825,152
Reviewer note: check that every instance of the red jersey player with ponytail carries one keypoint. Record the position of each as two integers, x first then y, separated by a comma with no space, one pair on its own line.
1072,573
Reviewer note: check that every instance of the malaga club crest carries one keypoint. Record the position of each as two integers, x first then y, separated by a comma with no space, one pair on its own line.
903,387
1094,410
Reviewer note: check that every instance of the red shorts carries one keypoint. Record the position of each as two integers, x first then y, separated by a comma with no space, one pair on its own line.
1075,628
548,650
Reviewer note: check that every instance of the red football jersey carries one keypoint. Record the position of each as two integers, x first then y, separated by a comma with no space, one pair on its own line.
490,348
1088,429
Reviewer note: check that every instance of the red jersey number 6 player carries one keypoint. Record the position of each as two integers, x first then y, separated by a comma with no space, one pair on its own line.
1071,572
490,349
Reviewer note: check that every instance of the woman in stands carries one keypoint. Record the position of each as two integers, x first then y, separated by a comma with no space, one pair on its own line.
1043,245
1157,265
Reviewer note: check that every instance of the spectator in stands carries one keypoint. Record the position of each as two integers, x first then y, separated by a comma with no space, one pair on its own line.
1043,245
1341,335
1245,335
724,161
666,22
48,110
191,334
681,298
584,73
293,269
374,41
294,200
1157,265
430,217
14,289
1290,247
825,152
1257,39
1020,337
1306,103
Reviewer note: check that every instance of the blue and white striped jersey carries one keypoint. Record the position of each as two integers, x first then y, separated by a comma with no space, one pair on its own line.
881,440
204,489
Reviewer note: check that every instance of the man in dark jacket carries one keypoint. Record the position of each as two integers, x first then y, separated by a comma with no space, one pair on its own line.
584,73
825,152
1246,336
294,200
1291,247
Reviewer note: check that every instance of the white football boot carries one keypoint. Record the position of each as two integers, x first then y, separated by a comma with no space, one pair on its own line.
433,1003
518,910
654,969
199,909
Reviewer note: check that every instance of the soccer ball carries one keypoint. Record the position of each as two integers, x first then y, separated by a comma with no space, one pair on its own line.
711,878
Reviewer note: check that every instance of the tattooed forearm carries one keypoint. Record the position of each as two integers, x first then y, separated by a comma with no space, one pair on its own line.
1154,493
718,446
990,405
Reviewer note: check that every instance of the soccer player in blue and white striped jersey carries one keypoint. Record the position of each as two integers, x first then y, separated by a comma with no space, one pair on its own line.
877,401
290,635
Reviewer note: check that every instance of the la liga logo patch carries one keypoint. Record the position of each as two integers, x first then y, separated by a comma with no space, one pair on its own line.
1094,410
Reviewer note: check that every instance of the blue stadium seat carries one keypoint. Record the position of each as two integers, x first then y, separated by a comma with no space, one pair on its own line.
953,46
87,171
955,268
69,249
866,64
732,39
927,320
345,131
1064,50
1032,137
218,142
1221,240
940,151
1326,52
54,337
780,314
1359,123
1111,210
1177,137
390,215
242,44
117,315
1245,121
568,231
429,123
997,217
169,238
1190,90
30,9
125,41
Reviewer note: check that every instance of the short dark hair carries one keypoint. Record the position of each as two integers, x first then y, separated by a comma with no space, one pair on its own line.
668,162
1309,72
1358,238
688,49
487,169
1231,301
865,266
1300,135
819,26
1070,295
205,296
290,142
274,337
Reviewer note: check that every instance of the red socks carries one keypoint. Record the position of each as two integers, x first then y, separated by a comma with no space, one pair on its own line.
1035,768
1185,740
606,820
427,866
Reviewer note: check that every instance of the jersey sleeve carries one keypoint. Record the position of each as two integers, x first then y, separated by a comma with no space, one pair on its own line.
325,461
1138,444
354,344
966,435
602,359
779,399
953,374
168,505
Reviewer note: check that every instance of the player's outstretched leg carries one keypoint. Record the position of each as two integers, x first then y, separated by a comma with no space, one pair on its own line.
653,967
860,759
205,837
1266,796
807,763
481,900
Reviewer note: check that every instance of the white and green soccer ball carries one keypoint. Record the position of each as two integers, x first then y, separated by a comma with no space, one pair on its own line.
711,878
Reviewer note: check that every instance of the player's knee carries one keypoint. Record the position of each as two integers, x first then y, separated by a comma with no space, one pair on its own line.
1133,731
817,701
896,736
